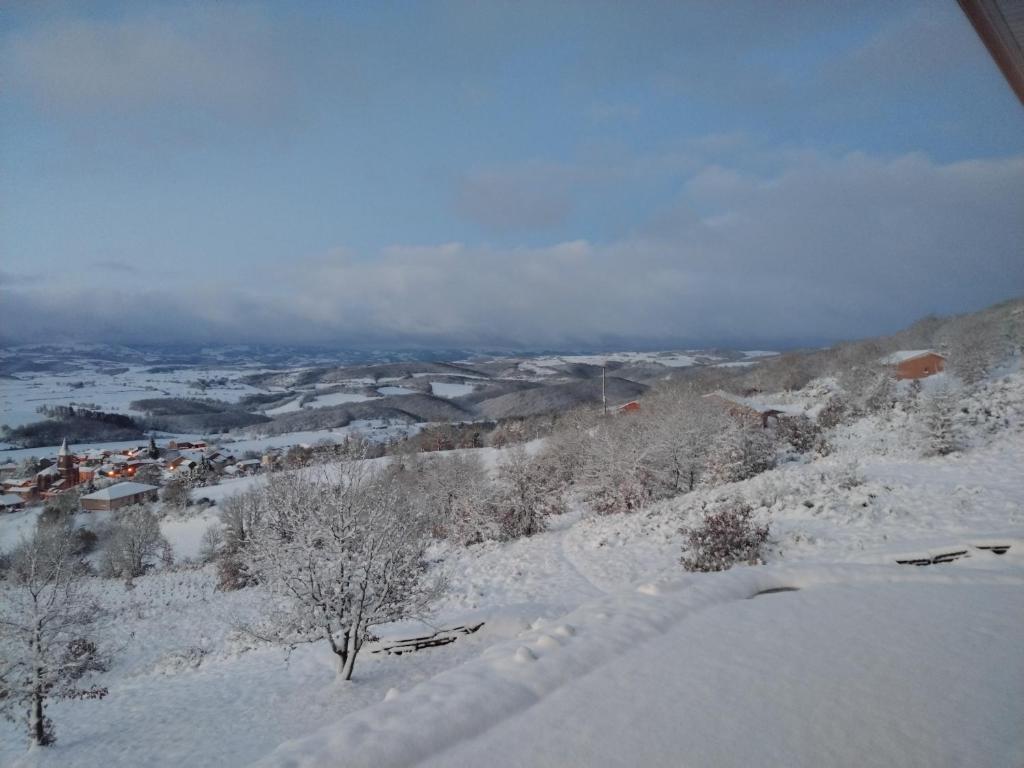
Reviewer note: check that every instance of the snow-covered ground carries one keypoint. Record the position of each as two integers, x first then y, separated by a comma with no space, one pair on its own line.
113,388
598,649
450,389
319,401
865,666
548,364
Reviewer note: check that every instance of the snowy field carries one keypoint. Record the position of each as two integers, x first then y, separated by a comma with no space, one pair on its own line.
548,364
112,387
20,396
598,649
450,389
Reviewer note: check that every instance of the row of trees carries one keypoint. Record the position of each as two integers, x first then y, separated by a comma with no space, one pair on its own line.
677,442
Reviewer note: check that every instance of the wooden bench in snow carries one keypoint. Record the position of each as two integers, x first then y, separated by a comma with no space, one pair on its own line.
995,549
441,637
952,555
943,557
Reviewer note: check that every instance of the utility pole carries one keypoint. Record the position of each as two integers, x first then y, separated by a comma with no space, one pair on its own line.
604,388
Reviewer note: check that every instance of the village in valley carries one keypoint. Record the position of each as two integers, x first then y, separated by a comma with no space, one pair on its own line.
104,479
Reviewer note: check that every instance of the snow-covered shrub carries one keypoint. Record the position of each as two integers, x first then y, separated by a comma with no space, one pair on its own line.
231,572
453,492
881,395
564,452
938,421
63,505
83,656
525,495
179,661
845,475
84,541
975,345
740,452
726,536
832,413
800,433
151,474
993,406
176,492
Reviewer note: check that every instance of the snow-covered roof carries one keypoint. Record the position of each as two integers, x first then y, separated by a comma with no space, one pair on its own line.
9,499
907,354
51,470
119,491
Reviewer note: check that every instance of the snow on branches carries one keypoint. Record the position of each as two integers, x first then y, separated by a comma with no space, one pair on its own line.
339,556
47,626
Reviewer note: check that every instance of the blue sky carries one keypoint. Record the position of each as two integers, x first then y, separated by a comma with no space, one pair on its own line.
517,173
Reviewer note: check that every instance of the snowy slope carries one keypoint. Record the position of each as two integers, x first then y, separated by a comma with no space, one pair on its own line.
596,640
856,668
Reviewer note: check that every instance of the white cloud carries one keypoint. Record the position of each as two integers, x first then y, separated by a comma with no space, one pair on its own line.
830,247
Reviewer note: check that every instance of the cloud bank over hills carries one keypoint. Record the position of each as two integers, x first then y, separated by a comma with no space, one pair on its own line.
826,246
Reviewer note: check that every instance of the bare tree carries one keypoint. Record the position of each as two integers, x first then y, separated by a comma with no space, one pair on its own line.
564,452
339,557
176,492
616,471
682,431
240,514
526,495
938,427
47,622
211,544
740,452
453,492
150,474
62,507
134,544
28,467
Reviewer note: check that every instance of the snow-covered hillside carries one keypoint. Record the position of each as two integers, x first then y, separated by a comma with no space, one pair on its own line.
597,648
